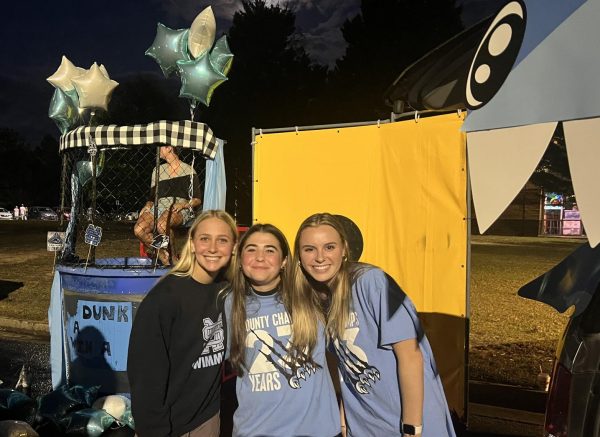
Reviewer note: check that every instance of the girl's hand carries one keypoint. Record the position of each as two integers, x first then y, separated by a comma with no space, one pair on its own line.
179,206
146,209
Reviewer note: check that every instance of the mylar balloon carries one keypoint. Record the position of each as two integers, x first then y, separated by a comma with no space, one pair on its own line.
221,57
62,78
202,33
64,110
199,79
94,88
84,169
169,46
104,71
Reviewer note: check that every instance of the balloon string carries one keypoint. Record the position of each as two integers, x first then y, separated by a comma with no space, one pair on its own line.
192,110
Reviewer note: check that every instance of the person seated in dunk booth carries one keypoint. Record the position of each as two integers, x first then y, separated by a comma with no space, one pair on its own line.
178,197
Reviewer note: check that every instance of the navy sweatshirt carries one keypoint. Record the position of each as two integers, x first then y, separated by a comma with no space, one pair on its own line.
176,348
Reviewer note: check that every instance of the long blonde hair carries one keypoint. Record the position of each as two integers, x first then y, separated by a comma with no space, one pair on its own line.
304,329
337,309
186,263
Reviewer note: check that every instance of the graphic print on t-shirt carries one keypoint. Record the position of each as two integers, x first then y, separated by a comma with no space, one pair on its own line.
354,363
213,335
272,361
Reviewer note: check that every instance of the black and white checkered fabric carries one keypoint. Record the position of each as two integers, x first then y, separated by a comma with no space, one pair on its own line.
188,134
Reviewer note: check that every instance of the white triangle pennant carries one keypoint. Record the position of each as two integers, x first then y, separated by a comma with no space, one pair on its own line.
500,163
583,149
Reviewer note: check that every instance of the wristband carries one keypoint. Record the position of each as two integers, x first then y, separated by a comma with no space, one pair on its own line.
411,429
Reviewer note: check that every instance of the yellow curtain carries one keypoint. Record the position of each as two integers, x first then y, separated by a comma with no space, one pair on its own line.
404,184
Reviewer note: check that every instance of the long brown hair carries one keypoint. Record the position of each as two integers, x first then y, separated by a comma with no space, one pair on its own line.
337,308
186,263
304,335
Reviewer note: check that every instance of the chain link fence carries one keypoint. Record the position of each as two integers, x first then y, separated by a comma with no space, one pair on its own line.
110,202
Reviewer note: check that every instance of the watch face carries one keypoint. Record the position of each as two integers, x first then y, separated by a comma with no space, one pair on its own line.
409,429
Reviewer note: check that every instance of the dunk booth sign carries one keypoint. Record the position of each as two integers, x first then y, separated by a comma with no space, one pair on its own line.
98,309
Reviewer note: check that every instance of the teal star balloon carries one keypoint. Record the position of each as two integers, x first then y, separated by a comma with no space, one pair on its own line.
64,110
169,46
221,57
84,169
199,79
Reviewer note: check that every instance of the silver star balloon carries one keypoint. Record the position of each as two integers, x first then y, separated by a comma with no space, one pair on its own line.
94,88
199,78
202,33
63,76
64,110
169,46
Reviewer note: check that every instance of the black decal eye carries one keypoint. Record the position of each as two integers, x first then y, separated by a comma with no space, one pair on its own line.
496,54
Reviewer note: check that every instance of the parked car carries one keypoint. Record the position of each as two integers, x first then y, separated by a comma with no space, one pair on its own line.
5,214
573,406
42,213
66,212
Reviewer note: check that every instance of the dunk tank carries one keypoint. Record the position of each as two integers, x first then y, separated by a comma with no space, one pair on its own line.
128,195
103,270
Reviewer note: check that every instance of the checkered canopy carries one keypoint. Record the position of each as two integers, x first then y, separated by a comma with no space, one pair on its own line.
121,198
186,134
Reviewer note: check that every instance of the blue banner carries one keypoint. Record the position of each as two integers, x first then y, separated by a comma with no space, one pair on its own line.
98,332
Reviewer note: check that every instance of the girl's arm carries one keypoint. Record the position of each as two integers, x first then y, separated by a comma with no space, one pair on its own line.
410,374
342,418
193,203
146,208
148,369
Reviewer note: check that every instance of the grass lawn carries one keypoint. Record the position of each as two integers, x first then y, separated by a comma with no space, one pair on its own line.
510,337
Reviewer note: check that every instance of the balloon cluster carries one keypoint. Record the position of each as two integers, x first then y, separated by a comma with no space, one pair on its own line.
78,89
188,53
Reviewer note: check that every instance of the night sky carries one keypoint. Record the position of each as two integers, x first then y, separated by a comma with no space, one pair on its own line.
34,34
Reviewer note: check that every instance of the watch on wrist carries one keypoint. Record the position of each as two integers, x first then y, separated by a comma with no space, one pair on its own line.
411,429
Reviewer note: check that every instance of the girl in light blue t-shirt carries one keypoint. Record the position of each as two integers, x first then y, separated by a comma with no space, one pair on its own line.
389,382
283,385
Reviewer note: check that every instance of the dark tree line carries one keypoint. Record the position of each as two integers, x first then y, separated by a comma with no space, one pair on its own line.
30,176
272,83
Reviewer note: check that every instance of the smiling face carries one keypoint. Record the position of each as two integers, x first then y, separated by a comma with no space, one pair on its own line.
262,260
212,245
321,252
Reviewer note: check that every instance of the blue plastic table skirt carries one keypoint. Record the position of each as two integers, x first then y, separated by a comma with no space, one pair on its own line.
118,277
112,276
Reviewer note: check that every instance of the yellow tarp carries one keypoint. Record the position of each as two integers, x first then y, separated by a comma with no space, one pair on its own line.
404,184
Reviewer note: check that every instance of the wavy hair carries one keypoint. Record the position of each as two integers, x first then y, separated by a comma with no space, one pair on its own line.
185,265
336,306
304,335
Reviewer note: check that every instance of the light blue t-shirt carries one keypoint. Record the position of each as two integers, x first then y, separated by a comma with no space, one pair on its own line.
382,315
276,397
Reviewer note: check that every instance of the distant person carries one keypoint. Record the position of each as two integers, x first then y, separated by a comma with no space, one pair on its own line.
390,384
23,212
16,213
177,343
178,197
283,385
